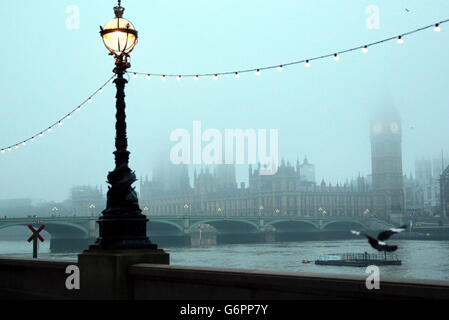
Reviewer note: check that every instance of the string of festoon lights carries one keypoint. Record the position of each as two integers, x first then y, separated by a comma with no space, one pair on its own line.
58,123
280,67
215,76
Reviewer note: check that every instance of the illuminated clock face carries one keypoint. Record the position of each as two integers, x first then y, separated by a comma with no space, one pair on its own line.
394,127
377,128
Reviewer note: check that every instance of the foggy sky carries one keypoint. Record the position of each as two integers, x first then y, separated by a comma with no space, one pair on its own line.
322,112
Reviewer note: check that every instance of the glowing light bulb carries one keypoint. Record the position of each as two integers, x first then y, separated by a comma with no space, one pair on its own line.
17,146
112,80
280,68
365,49
41,134
69,116
336,57
307,64
400,40
258,72
101,90
135,75
90,100
78,109
3,150
163,78
196,77
215,76
60,123
32,139
178,78
49,129
237,75
148,76
24,143
437,28
9,149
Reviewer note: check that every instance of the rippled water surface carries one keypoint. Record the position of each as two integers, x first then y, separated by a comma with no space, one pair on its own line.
420,259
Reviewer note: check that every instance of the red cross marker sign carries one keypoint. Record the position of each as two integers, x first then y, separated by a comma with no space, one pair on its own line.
36,233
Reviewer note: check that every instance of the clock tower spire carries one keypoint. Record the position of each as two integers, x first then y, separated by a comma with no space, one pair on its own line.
386,163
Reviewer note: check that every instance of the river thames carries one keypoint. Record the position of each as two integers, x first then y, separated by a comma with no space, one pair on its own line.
420,259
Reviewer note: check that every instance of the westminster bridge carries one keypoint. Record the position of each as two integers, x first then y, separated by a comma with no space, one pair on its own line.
76,233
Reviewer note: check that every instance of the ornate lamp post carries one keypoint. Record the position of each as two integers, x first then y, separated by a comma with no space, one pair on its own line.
122,225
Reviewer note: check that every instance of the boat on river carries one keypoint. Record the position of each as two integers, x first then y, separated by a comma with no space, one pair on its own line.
359,259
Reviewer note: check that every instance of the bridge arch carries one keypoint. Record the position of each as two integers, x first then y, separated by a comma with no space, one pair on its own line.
293,225
344,225
230,225
56,230
163,227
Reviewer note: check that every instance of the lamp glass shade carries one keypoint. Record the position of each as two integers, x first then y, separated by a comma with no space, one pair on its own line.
119,35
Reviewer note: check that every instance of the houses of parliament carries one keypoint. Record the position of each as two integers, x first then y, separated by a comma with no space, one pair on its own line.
291,191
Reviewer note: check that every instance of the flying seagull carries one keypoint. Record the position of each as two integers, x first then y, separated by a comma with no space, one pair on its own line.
379,243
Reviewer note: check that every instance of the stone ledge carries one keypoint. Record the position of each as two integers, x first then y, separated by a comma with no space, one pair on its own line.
178,282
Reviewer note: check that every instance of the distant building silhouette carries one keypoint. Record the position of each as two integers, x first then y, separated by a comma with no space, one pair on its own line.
444,191
82,197
386,163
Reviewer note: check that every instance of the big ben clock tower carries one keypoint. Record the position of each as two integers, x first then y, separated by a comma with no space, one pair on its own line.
386,164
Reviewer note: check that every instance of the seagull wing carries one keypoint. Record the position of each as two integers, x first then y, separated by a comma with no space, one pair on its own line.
373,242
385,235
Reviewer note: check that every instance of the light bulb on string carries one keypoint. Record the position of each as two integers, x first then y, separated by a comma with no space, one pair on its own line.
163,78
17,146
101,90
196,77
90,100
24,143
69,117
49,129
78,109
3,151
9,149
365,49
60,123
237,75
307,64
280,68
178,78
258,72
336,57
32,139
134,75
148,76
437,28
400,40
41,134
112,80
215,77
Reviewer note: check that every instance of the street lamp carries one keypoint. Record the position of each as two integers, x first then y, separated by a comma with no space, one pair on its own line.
92,207
261,208
122,225
146,209
55,211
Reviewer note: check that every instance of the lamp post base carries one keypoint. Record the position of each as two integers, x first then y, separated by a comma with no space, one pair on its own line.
123,232
104,273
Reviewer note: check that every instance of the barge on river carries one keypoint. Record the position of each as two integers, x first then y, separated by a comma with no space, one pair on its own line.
359,259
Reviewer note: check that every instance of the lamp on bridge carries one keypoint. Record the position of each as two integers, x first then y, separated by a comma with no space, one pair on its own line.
122,225
92,207
55,211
